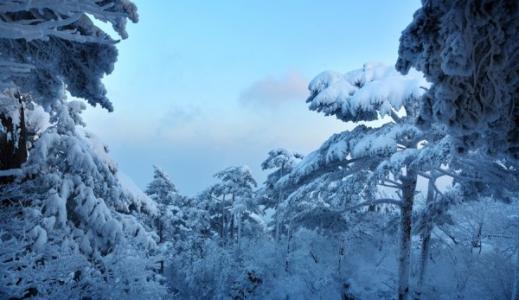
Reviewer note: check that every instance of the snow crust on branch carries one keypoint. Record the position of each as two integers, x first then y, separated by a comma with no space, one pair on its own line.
60,45
365,94
40,19
468,50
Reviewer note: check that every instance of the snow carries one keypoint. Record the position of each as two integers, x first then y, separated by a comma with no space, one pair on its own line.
56,206
469,58
131,188
422,205
365,94
40,237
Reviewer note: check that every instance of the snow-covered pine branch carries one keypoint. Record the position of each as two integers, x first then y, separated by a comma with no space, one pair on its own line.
41,19
468,50
365,94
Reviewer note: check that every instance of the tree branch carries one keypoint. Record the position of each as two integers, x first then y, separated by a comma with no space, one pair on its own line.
377,202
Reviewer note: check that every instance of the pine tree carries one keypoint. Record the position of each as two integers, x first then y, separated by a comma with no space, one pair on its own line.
282,162
76,226
47,46
384,156
467,50
230,202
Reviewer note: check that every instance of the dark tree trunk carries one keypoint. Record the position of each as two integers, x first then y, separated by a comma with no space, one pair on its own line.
515,285
224,223
231,227
404,261
13,143
231,221
426,241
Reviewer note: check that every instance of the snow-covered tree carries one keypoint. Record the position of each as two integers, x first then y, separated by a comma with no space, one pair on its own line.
468,51
280,162
473,252
43,19
468,57
67,196
176,218
231,203
162,190
46,46
75,231
363,166
360,167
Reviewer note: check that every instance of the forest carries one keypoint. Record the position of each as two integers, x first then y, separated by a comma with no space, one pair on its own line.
419,200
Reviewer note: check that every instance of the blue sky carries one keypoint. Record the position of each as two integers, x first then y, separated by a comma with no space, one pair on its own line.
203,85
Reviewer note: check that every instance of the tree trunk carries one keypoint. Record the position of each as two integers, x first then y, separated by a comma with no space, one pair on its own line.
408,190
515,289
160,227
276,234
280,197
289,239
239,220
426,241
232,220
231,227
13,144
223,235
